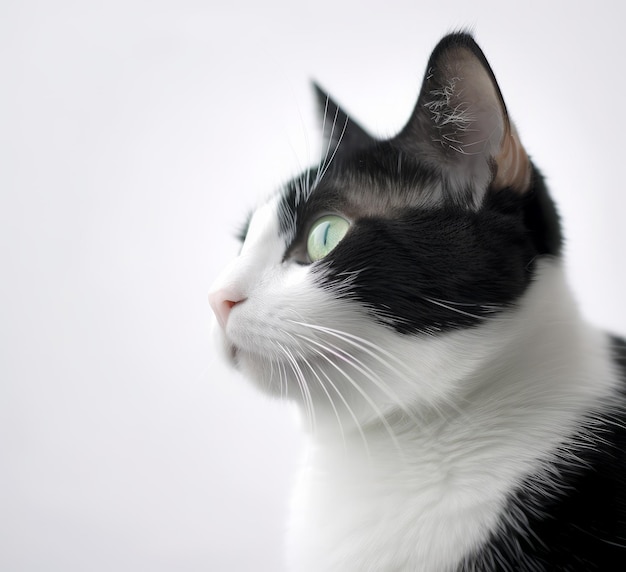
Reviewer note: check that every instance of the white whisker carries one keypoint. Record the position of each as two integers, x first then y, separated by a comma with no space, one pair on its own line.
452,309
301,357
300,374
306,395
330,139
375,352
379,414
345,125
361,367
361,343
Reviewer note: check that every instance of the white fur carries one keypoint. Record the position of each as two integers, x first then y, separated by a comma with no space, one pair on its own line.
415,442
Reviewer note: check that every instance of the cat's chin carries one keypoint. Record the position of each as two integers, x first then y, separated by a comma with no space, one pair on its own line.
257,371
252,366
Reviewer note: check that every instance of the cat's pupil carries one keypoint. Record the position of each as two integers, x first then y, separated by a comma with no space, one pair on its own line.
326,228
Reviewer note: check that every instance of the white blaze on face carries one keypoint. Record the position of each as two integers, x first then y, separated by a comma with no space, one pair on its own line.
263,249
256,299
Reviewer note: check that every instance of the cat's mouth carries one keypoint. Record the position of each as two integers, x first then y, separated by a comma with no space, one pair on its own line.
240,357
233,351
237,355
230,351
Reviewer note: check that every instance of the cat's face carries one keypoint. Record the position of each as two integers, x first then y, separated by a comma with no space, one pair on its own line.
392,270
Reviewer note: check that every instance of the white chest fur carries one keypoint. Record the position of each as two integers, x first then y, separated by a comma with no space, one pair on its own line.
398,518
426,501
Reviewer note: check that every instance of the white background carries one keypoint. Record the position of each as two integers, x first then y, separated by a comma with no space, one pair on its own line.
134,137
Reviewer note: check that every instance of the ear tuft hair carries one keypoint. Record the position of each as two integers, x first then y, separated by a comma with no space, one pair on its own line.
460,123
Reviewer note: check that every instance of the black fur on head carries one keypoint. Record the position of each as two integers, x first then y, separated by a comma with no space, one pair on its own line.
448,217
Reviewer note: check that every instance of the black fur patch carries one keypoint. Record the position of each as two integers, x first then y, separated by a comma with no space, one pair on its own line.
429,268
581,526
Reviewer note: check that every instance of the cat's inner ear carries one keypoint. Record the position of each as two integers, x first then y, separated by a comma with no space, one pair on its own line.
341,132
460,123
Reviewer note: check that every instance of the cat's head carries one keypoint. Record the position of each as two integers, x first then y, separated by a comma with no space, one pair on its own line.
387,273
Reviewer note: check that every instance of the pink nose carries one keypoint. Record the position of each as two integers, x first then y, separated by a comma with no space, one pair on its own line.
222,302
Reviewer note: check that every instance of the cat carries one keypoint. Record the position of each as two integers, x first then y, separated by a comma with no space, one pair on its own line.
409,295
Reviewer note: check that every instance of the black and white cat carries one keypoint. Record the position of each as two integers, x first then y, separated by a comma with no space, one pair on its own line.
409,295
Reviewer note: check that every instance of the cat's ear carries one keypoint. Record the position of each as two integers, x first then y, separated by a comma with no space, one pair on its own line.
339,129
460,122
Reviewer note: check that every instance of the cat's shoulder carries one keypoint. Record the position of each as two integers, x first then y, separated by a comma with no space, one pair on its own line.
572,516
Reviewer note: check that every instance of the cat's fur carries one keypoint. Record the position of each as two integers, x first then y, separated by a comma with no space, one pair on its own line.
461,414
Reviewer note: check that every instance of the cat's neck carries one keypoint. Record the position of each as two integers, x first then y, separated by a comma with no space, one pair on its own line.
540,366
511,414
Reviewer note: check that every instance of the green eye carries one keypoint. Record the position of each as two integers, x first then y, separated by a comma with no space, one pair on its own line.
325,234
